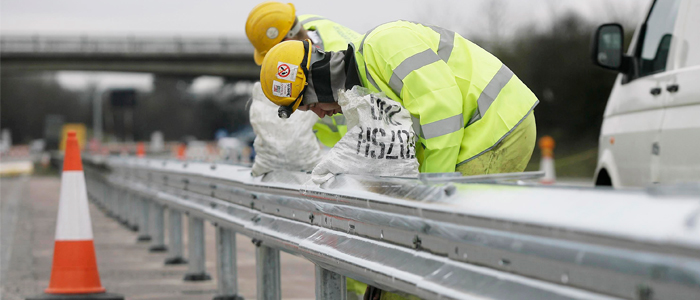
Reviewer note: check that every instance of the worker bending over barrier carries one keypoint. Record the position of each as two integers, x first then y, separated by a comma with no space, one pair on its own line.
470,112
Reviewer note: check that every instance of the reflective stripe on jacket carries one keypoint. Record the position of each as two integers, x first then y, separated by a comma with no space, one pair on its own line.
334,37
463,100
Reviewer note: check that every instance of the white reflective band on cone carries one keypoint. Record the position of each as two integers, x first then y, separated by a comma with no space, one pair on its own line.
73,221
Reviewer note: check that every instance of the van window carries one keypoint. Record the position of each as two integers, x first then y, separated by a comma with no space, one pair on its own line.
657,37
690,51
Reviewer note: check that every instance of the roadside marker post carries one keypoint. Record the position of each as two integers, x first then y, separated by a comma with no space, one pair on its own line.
546,144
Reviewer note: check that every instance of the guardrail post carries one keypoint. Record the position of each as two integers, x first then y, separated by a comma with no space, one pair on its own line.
144,230
113,195
195,244
100,193
267,263
226,265
107,200
158,230
89,187
135,212
175,255
125,208
102,198
118,199
123,213
132,212
330,285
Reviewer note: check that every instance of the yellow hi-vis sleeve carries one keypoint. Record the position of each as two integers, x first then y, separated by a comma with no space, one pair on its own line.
329,130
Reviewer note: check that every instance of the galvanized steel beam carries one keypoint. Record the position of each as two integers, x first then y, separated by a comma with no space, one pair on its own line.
442,241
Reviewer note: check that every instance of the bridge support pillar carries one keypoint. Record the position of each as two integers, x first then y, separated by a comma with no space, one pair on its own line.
226,265
175,254
267,263
196,270
330,285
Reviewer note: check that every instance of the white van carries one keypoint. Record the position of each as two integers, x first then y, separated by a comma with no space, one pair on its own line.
651,127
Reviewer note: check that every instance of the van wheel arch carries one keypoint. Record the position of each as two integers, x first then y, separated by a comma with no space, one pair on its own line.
603,178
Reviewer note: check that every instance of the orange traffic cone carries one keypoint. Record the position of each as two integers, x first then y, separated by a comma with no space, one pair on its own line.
546,144
181,151
140,150
74,270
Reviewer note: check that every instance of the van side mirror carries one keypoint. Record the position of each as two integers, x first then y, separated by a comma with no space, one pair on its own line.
607,47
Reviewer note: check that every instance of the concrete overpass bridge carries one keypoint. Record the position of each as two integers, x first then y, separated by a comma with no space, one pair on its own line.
189,57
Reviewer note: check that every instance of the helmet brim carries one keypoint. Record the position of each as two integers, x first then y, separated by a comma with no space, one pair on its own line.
258,57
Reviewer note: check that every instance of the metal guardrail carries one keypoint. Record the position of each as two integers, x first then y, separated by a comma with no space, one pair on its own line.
433,240
123,45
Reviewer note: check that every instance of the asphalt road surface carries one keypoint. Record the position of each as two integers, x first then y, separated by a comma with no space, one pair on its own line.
28,208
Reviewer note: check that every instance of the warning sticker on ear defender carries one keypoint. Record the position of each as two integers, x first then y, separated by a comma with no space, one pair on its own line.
287,71
281,89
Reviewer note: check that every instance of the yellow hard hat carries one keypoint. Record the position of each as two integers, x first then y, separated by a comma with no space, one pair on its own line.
283,74
267,25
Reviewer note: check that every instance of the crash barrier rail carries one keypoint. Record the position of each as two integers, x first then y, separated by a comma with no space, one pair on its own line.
435,238
127,45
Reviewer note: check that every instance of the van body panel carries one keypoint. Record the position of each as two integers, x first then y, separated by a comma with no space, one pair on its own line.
635,96
631,130
680,130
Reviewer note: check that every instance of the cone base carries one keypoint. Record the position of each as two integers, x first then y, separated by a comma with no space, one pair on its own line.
95,296
548,181
94,290
74,269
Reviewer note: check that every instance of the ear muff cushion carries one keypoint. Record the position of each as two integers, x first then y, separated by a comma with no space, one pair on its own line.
321,77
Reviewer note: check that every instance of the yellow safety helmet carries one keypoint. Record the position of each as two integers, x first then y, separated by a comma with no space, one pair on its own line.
268,24
283,74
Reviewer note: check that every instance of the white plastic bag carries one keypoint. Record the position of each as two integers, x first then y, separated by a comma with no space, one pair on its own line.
282,144
380,139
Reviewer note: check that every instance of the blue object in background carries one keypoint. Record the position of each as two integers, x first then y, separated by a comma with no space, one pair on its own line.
220,133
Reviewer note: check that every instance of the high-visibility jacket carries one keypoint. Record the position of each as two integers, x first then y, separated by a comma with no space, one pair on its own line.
334,37
463,100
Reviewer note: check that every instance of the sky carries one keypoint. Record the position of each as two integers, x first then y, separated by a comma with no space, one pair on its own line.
165,18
